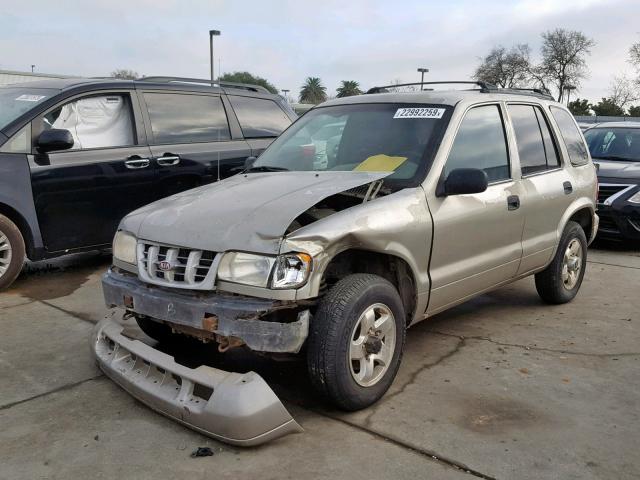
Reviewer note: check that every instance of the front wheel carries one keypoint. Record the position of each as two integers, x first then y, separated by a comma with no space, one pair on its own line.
356,341
12,252
561,280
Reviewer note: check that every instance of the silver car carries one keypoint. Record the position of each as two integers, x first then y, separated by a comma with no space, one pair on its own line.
420,201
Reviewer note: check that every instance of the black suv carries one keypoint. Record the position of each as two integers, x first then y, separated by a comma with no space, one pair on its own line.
76,155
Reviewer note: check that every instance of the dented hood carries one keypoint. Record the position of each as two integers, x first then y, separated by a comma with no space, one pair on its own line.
247,212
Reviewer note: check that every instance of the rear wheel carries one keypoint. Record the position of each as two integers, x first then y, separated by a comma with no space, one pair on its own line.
561,280
12,252
356,341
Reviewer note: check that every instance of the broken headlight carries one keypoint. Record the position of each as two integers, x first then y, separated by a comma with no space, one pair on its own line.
291,270
124,247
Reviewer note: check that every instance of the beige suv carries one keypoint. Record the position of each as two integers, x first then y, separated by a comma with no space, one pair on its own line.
368,215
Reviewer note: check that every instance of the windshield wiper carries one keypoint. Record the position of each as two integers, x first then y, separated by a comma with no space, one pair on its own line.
616,157
266,168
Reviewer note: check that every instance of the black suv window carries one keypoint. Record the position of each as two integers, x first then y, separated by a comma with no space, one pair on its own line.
535,145
572,136
183,118
481,143
259,117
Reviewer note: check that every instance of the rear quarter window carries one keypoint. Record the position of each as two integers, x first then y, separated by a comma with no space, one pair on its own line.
259,117
573,139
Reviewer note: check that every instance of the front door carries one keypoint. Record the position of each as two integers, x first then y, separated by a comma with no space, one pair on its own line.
476,237
81,194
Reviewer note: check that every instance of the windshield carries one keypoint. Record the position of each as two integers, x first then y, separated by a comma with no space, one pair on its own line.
14,101
396,138
615,143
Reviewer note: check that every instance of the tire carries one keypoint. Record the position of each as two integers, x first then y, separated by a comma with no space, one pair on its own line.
556,285
338,323
12,252
160,332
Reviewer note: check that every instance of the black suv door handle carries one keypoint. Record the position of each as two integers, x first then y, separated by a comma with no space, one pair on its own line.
568,188
513,202
135,162
168,160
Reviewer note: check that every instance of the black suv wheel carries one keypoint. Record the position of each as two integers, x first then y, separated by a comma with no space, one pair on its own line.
12,252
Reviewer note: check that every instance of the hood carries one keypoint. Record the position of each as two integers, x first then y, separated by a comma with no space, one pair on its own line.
618,171
247,212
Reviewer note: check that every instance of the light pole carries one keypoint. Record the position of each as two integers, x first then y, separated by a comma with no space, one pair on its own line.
422,72
568,89
32,67
286,91
212,33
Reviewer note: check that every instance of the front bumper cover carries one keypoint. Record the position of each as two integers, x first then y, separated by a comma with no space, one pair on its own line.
235,408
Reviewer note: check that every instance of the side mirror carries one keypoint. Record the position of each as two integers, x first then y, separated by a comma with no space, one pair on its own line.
54,139
248,163
465,180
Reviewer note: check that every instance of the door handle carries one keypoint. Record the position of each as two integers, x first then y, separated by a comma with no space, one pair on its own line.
168,160
568,188
134,162
513,202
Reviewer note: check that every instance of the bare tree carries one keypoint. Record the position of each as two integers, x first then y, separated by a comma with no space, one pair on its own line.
505,68
622,91
563,58
125,74
634,59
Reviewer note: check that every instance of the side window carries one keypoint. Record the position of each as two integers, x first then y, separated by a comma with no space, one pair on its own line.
481,143
183,118
100,121
259,117
578,153
535,144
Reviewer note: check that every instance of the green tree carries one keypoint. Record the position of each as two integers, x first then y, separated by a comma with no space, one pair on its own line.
607,107
634,111
580,107
313,91
246,77
349,88
564,58
125,74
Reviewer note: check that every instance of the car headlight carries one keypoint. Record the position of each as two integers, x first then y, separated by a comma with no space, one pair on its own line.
124,247
285,271
291,270
246,268
635,198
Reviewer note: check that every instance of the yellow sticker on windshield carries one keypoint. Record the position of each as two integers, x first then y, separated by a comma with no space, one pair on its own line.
380,163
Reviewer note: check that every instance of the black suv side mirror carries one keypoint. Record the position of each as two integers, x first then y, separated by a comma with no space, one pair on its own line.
54,139
465,180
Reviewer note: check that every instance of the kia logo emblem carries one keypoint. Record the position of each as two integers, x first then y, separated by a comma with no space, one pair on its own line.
164,266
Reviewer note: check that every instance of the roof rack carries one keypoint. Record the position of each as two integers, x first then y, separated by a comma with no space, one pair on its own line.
383,89
484,88
201,81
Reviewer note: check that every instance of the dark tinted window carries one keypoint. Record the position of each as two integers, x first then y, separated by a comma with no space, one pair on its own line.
572,136
180,118
535,145
614,143
259,117
480,143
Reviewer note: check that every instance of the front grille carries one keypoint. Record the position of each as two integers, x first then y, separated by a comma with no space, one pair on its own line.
607,190
187,268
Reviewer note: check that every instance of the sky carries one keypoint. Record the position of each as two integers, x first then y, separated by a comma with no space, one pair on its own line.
372,42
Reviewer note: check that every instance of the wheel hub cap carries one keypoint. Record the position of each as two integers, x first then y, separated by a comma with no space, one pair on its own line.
5,253
572,264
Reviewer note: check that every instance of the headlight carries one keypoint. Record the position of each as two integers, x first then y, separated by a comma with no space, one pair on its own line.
635,198
246,268
292,270
124,247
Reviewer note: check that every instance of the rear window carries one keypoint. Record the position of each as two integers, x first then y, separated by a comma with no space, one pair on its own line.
182,118
578,154
259,117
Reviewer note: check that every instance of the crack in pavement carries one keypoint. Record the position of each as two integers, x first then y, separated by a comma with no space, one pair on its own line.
79,316
7,307
68,386
536,348
613,264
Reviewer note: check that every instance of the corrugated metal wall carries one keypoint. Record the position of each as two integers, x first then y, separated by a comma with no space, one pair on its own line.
7,77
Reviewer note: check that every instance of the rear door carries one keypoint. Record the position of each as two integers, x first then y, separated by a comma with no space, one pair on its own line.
261,120
190,140
81,194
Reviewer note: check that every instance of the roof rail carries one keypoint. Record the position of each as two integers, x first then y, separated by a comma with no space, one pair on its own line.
536,92
383,89
201,81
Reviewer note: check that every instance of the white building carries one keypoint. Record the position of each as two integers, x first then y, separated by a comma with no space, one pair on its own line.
7,77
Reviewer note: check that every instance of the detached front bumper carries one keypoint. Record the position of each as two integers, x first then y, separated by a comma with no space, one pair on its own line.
239,409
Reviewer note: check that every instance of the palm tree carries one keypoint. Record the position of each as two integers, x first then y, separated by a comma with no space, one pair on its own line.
349,88
312,91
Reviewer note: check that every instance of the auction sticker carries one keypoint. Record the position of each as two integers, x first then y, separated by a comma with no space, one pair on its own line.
419,113
30,98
